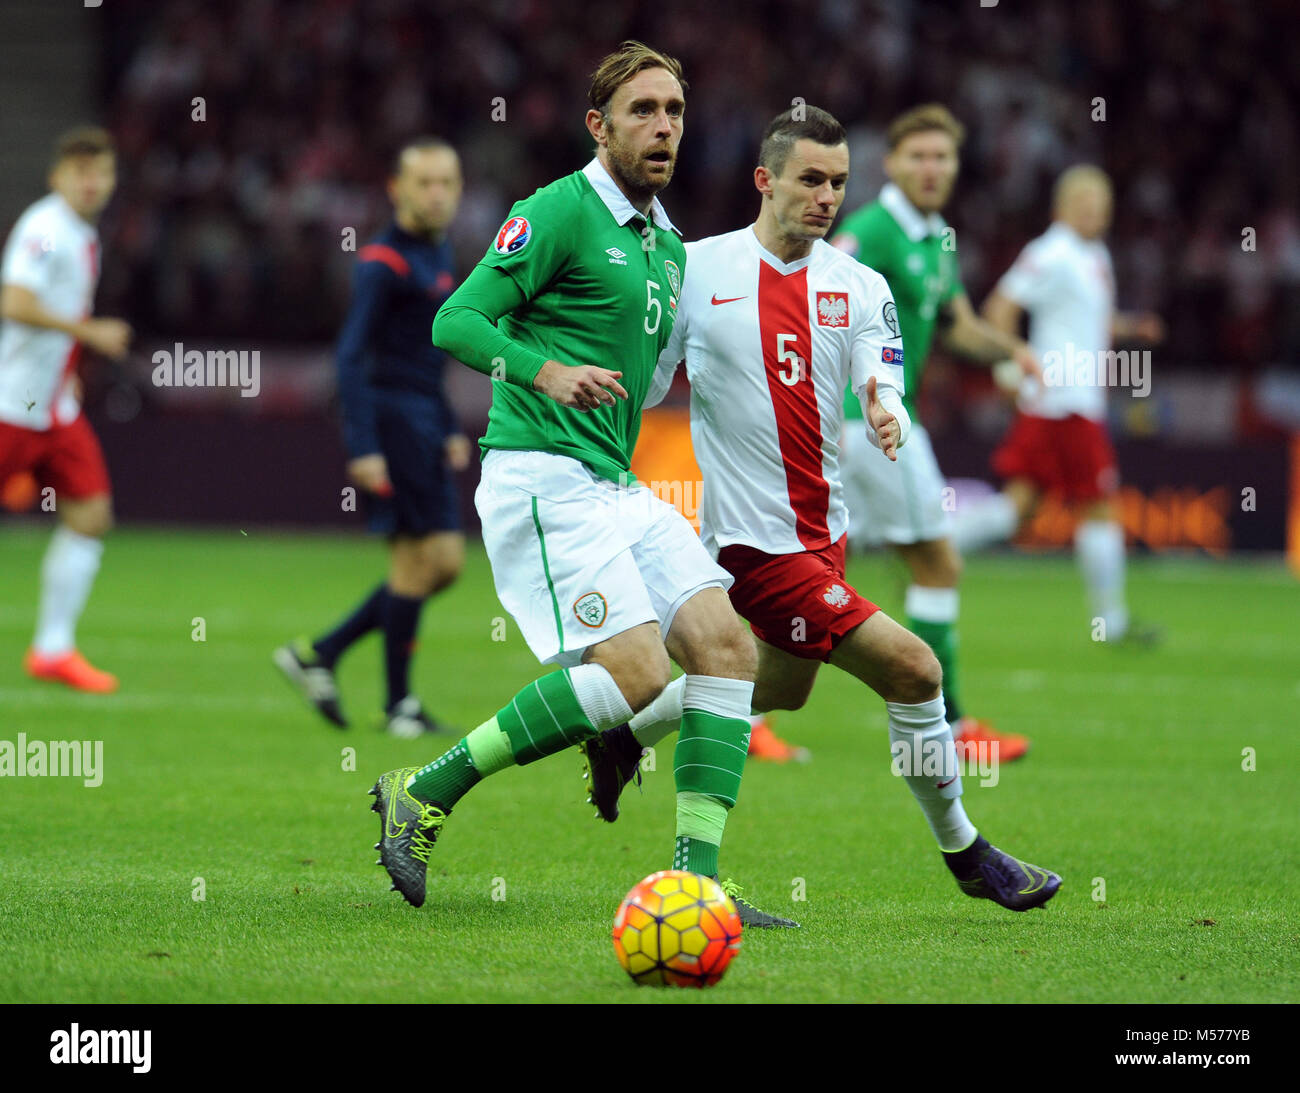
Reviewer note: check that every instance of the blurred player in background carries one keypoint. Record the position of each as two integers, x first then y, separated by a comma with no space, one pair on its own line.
403,443
902,236
47,291
1058,444
604,579
774,325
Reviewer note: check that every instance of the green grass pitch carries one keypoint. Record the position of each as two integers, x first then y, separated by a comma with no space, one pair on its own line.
214,770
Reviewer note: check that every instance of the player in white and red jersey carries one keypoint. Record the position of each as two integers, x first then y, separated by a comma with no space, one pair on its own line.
1059,444
774,323
48,278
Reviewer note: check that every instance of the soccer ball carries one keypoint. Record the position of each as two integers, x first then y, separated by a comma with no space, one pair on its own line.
677,929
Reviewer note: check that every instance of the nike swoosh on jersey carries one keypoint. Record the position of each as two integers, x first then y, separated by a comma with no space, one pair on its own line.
730,300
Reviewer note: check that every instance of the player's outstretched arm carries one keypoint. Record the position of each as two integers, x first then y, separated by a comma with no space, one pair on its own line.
111,337
466,328
974,337
1137,326
889,420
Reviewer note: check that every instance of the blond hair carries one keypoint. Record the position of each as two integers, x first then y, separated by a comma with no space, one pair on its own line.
1081,174
922,119
618,67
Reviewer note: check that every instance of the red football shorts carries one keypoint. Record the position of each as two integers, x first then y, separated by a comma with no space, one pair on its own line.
800,603
67,457
1071,456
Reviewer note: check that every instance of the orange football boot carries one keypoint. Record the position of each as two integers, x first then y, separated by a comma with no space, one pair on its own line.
972,732
765,744
70,668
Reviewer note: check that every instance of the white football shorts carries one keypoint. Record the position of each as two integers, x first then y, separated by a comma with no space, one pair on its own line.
577,559
894,503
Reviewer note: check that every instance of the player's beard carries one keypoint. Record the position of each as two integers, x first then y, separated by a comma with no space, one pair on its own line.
629,168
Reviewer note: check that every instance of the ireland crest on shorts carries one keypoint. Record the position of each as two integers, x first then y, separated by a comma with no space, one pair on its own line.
591,610
674,276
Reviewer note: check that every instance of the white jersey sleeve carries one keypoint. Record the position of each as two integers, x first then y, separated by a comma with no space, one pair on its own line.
53,254
1031,280
28,257
1066,285
877,350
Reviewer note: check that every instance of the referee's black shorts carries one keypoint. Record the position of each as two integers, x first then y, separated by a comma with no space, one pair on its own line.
413,430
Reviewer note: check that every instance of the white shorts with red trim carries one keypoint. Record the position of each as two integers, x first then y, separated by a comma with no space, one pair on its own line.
577,559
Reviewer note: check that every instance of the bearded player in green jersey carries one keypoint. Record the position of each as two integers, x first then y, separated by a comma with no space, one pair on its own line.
568,313
902,236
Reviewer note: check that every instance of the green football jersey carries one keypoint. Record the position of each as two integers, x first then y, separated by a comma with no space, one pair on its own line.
597,292
917,256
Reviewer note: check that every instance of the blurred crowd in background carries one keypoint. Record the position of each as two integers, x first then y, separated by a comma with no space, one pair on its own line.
231,227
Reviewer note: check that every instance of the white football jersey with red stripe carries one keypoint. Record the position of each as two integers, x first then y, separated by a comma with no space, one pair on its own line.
1067,285
54,254
770,347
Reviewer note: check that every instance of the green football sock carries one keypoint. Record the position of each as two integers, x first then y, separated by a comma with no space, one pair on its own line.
708,762
932,616
942,638
447,779
543,718
710,754
700,823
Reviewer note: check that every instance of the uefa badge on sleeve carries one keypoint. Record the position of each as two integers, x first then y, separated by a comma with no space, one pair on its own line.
513,236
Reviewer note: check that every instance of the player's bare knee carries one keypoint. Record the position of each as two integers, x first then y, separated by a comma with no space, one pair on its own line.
924,676
730,656
642,681
784,700
640,669
913,673
91,520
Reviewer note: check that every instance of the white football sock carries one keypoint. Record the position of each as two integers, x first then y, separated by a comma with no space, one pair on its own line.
599,696
68,571
931,604
662,717
920,744
1099,548
988,521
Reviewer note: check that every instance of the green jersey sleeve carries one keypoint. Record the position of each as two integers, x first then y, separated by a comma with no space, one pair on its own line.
534,245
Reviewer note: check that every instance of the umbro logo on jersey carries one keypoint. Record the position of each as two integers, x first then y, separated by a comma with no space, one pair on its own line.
729,300
832,309
616,256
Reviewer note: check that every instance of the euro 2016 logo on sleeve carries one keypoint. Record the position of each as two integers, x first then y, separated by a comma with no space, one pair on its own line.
513,236
591,610
832,309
